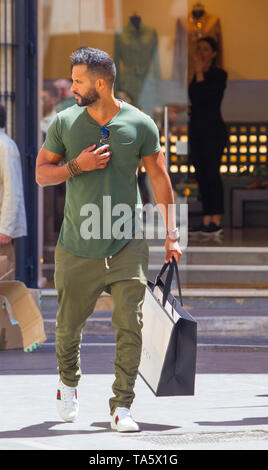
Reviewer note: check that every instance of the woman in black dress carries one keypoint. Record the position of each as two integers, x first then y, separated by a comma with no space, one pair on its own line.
207,133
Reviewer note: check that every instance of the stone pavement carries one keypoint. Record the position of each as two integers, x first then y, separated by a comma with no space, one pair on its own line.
228,411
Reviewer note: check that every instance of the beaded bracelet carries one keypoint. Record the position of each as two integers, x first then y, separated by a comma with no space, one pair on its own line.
74,168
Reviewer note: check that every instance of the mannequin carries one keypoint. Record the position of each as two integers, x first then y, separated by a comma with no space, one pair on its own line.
136,59
136,21
198,11
198,24
197,19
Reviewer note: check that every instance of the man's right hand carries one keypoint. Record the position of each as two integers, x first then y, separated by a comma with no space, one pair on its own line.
94,159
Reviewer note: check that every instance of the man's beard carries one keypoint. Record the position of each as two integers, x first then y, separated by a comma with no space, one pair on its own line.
90,98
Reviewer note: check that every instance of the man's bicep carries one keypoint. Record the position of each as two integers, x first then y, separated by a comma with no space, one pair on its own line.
154,164
46,156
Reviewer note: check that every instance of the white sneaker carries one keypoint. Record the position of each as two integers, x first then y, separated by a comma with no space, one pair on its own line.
67,402
122,421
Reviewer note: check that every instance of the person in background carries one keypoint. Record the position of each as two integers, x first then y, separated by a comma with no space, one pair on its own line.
12,209
66,96
207,134
50,97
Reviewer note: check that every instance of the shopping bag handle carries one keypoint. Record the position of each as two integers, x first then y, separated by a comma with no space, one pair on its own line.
167,284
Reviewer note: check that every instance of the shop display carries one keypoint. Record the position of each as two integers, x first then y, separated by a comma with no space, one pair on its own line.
198,24
246,151
137,60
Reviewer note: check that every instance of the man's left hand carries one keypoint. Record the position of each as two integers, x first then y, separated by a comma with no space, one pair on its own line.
172,249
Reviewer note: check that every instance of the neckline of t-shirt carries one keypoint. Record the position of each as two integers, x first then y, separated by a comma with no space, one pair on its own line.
111,120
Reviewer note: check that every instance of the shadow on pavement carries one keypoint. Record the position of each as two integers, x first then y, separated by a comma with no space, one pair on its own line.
44,430
242,422
143,426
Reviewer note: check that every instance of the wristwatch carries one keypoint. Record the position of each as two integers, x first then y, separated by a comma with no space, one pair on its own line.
174,234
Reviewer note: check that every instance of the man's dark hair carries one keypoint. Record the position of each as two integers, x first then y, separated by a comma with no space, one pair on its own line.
3,116
97,61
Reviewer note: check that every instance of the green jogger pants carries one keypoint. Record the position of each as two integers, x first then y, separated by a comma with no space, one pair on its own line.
79,282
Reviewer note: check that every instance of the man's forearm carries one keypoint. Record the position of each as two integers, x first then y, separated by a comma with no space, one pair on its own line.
164,198
51,174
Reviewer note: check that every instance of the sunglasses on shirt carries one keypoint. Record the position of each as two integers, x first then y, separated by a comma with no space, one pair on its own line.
104,135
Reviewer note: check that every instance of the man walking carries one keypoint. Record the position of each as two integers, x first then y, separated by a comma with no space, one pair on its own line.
102,140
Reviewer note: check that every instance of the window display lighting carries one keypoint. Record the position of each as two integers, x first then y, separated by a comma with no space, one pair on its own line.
233,168
253,138
233,148
184,169
253,149
245,149
223,168
243,168
233,138
174,169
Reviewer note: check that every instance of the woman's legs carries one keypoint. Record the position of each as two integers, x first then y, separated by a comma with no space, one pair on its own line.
206,158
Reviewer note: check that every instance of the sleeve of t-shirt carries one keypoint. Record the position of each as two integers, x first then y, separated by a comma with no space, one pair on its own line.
151,141
53,141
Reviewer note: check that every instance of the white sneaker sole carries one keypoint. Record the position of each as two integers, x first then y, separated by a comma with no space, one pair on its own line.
117,427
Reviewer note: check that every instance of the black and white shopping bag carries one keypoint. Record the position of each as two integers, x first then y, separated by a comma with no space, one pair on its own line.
169,339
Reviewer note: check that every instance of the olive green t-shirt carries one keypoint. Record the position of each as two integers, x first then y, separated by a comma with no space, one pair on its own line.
99,213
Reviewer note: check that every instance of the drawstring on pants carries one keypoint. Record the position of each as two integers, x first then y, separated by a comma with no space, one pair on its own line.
106,262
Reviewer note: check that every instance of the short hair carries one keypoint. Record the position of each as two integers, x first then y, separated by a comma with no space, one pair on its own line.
97,62
3,116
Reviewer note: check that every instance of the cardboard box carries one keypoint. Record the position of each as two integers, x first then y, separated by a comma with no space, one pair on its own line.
6,269
10,333
21,322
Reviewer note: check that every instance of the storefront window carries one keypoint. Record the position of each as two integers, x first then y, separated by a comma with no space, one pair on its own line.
151,61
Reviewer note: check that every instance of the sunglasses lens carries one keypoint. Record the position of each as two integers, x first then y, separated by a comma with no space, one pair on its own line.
105,133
